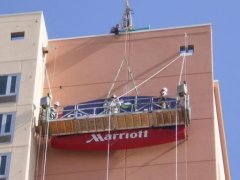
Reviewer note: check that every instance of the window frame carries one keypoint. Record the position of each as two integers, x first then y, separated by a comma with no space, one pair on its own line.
17,36
9,83
186,50
7,166
3,126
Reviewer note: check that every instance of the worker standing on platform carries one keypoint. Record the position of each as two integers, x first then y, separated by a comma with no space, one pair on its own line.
115,104
112,105
163,103
53,110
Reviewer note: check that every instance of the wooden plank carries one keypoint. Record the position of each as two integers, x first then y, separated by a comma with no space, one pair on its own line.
91,124
52,127
152,118
136,120
181,116
167,117
99,124
112,122
76,126
69,126
145,119
129,121
61,127
105,122
83,125
173,117
159,118
121,122
115,123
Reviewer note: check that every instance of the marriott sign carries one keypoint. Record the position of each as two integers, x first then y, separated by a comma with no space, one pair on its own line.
117,136
126,139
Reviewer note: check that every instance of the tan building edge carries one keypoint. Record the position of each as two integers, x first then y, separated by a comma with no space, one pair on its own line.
22,38
82,69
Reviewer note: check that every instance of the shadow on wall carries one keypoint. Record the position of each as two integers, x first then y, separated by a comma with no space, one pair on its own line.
73,54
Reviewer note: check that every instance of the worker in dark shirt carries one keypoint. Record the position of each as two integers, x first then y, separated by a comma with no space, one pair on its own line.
115,29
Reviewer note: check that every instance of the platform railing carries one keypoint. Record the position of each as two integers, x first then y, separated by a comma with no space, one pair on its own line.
129,105
134,113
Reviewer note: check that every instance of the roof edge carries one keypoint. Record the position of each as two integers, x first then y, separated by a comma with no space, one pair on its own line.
22,13
133,32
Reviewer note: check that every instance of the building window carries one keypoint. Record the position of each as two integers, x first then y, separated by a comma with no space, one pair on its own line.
15,36
8,88
7,121
4,166
187,50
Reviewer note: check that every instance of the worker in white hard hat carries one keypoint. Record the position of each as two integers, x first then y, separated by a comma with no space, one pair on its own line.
112,104
115,104
163,103
53,110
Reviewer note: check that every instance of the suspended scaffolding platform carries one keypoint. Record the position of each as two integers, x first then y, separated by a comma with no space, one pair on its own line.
137,117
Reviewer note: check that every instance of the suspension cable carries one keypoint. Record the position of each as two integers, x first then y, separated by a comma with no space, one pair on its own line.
38,150
186,142
115,79
186,47
125,59
120,67
108,145
185,117
131,75
127,62
47,118
152,76
47,129
176,122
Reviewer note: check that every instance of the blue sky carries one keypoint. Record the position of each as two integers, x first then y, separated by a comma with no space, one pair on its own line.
68,18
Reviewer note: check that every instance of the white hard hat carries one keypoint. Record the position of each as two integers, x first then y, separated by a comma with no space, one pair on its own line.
164,89
57,103
114,96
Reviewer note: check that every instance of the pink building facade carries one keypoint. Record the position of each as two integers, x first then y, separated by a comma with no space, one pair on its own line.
83,69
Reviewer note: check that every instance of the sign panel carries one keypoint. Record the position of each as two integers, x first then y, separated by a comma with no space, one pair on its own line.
125,139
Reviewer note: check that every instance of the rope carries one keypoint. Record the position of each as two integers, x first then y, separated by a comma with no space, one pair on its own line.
115,79
47,131
186,144
47,126
176,142
110,91
125,59
127,63
176,122
48,82
120,67
131,75
185,118
146,80
186,46
125,164
108,147
179,82
38,150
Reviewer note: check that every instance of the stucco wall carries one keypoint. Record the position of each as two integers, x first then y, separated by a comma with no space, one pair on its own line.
22,57
82,69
